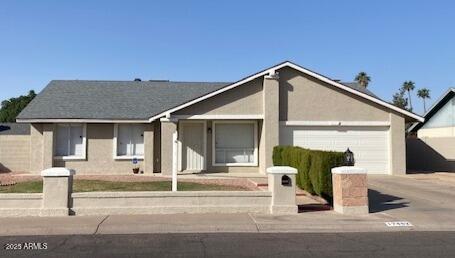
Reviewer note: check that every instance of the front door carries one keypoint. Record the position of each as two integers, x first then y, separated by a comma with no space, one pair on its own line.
193,145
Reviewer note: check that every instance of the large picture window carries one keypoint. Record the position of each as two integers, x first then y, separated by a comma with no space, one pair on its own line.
129,141
235,143
70,141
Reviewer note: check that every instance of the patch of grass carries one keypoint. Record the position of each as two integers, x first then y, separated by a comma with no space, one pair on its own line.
110,186
23,187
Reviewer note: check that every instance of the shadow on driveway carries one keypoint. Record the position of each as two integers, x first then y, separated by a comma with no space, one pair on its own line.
379,202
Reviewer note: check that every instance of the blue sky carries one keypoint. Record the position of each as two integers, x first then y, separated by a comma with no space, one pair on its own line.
392,41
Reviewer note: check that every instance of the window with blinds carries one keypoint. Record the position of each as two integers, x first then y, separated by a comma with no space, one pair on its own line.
70,140
234,143
130,140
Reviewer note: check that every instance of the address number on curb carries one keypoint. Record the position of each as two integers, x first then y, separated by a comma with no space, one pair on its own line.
398,224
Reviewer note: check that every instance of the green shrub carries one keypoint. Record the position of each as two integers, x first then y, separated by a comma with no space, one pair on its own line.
277,155
314,167
303,168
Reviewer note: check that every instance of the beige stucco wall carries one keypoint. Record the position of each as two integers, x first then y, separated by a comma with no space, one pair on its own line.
14,153
436,132
108,203
36,148
435,154
445,146
397,143
433,150
300,100
243,100
167,130
100,159
303,98
20,204
270,133
41,146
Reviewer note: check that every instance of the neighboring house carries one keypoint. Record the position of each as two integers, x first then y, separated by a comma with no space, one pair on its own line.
100,126
434,148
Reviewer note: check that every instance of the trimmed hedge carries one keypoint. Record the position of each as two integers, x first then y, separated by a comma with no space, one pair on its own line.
314,167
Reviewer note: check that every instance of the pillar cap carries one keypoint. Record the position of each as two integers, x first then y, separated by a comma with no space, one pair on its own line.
281,170
57,172
346,170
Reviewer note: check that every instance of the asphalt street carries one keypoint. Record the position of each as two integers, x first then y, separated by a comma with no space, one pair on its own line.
380,244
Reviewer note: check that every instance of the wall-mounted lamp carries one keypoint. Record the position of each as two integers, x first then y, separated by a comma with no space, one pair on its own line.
209,130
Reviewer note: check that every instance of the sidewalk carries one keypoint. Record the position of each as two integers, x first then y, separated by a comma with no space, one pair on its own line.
309,222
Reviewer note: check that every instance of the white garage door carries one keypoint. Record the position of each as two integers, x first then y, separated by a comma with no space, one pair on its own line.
369,144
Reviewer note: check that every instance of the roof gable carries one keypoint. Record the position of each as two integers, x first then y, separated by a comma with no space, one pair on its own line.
146,101
444,104
271,70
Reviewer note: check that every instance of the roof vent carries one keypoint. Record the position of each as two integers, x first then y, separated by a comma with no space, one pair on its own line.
336,80
137,79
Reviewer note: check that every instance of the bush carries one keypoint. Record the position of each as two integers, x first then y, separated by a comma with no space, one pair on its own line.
314,167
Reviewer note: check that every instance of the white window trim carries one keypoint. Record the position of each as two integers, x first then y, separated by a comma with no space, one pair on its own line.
84,144
255,152
335,123
123,157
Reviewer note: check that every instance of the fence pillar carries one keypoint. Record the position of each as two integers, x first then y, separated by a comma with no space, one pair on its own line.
57,188
281,180
350,190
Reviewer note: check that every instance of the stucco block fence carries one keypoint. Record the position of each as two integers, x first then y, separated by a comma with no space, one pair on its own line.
58,199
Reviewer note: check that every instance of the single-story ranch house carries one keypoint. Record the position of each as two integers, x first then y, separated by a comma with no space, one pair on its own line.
98,127
434,147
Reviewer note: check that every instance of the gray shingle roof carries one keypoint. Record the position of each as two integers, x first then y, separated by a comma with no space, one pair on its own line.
119,100
14,129
358,87
122,100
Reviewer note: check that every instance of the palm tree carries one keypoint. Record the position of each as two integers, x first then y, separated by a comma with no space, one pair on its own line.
409,86
363,79
424,93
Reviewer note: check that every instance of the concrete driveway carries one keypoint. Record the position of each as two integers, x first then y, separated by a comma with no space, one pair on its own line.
427,201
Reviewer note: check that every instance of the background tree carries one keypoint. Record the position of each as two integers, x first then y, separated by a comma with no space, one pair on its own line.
400,100
12,107
363,79
409,86
424,93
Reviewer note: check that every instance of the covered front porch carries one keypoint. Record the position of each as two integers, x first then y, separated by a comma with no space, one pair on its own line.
192,146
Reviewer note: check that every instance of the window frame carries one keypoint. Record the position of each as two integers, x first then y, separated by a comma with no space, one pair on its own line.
255,145
83,156
115,142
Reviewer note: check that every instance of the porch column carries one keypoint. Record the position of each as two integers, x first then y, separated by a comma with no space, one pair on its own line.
168,129
270,125
36,148
397,143
149,142
48,145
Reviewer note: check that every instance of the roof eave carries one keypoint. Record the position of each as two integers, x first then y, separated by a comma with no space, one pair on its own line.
81,120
